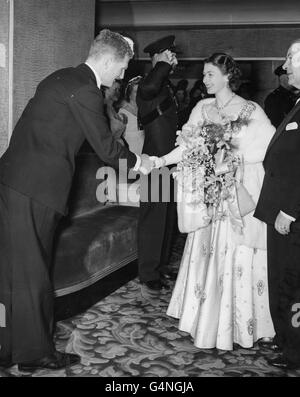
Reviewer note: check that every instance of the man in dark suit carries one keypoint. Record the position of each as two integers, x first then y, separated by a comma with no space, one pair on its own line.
35,178
279,207
158,116
280,101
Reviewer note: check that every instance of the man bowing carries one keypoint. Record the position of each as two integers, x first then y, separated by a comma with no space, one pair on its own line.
36,174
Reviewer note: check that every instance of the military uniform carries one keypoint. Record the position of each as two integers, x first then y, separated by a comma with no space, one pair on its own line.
158,115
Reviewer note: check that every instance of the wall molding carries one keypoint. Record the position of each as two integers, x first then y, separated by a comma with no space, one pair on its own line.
247,43
146,59
203,26
166,13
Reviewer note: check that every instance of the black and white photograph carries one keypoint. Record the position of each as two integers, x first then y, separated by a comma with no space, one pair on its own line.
149,191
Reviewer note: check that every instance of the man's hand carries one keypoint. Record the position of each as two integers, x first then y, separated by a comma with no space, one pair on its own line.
147,165
282,224
172,58
166,56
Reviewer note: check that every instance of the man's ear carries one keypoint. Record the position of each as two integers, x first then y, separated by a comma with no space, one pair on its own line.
107,62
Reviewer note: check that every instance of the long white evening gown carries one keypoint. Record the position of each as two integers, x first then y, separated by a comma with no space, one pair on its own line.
133,135
221,292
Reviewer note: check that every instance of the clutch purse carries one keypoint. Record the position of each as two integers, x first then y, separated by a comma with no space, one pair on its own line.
245,201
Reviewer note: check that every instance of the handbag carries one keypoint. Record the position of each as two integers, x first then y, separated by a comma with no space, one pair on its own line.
245,201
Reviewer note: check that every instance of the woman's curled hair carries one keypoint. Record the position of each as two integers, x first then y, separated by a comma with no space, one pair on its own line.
228,66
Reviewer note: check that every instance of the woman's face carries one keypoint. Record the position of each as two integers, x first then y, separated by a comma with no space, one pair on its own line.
180,95
213,78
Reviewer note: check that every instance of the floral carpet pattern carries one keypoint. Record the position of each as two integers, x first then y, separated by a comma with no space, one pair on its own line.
128,334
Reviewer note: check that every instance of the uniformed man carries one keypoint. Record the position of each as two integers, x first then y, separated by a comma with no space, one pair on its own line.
158,116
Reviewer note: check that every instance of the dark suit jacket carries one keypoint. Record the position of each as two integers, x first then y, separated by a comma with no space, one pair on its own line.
160,134
281,186
66,109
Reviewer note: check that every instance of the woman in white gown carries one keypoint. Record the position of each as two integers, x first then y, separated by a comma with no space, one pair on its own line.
221,292
133,135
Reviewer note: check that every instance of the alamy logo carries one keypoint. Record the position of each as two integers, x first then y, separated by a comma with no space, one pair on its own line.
128,186
2,316
296,316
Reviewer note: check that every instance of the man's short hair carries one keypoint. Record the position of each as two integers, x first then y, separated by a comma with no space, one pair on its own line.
110,42
295,41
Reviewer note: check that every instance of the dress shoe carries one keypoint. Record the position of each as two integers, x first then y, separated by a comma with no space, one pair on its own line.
56,361
168,276
270,345
155,285
282,363
165,283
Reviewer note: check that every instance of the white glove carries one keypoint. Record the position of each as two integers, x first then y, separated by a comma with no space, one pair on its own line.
158,161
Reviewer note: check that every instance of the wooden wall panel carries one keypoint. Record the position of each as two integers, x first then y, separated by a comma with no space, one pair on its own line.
49,34
255,30
168,13
242,42
246,29
4,74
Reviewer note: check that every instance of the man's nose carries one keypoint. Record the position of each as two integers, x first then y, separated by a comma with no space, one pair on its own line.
121,75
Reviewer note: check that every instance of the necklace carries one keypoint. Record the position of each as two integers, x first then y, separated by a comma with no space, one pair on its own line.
220,108
226,103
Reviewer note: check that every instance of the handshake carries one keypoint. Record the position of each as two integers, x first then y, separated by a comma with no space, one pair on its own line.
150,162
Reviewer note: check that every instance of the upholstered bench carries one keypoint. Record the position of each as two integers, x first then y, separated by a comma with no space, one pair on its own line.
96,238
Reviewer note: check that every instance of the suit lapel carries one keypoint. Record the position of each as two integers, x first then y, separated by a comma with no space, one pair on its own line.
282,126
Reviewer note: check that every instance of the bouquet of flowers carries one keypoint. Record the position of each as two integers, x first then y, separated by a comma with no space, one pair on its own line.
209,161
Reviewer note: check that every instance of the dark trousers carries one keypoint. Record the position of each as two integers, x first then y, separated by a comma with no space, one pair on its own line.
156,226
284,290
26,235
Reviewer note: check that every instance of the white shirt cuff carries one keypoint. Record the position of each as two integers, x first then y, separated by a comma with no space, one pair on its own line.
138,163
288,216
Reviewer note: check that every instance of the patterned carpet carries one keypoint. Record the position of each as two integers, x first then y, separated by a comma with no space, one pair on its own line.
128,334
